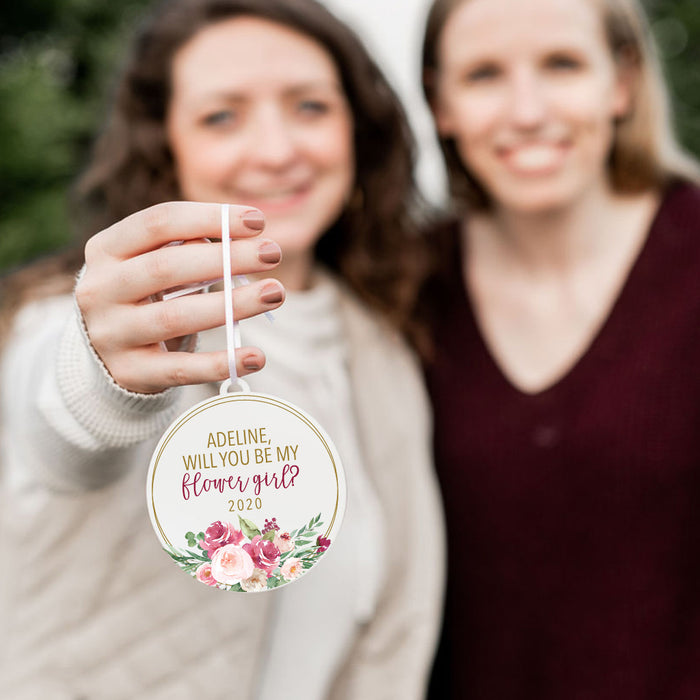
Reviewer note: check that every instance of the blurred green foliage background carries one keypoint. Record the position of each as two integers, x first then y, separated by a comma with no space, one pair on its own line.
56,62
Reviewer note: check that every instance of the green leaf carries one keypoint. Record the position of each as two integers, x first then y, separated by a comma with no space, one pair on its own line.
269,535
248,527
187,557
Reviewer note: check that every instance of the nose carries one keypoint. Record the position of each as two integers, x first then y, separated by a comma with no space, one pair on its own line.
527,103
273,143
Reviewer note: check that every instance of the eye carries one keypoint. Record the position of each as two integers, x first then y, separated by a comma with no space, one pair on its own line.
220,117
312,107
563,62
482,73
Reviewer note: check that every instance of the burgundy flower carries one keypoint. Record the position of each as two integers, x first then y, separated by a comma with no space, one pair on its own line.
270,525
265,554
322,543
219,534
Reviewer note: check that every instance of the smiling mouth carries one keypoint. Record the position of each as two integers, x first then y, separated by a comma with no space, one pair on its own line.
534,159
274,198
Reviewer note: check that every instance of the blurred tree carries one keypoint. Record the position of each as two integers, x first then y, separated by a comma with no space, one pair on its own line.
676,27
56,57
56,61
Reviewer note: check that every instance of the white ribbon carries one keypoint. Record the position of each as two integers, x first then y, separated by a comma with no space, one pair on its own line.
233,333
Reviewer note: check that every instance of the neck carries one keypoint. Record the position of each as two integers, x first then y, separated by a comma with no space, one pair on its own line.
553,240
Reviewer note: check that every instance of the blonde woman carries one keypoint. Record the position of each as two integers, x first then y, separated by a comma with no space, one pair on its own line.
565,313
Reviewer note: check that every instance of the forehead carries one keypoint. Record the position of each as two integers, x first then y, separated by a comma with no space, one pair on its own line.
249,52
498,26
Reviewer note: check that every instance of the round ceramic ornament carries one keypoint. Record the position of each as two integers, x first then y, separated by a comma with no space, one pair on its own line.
245,491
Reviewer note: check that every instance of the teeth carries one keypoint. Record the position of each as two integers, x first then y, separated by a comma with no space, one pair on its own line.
273,194
534,157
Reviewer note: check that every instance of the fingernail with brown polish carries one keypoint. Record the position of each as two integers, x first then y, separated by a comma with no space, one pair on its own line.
254,220
272,293
252,362
269,252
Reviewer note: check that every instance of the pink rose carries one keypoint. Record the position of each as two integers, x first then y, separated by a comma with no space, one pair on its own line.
231,564
264,554
292,569
219,534
203,574
284,542
322,543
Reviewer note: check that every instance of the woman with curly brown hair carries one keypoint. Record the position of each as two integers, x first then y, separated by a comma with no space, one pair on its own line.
274,107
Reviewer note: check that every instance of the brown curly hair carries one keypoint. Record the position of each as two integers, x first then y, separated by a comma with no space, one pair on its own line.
371,245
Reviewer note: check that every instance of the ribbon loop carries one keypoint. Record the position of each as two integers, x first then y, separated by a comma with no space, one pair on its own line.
233,334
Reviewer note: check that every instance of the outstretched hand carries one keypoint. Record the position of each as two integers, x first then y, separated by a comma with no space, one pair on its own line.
130,263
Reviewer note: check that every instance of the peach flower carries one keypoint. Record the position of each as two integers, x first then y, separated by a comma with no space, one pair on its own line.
292,569
284,542
257,582
231,564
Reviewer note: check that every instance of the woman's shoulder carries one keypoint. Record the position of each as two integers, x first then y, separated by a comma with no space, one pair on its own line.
29,291
37,315
369,334
680,206
360,321
675,233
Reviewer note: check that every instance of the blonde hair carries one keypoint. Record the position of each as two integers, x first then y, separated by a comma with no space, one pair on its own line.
645,153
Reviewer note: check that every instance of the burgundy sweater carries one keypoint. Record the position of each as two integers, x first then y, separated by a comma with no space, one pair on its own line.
574,514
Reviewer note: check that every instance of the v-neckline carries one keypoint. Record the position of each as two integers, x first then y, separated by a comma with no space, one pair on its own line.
597,337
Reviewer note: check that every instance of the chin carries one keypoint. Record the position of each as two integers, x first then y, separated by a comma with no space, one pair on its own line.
293,239
536,198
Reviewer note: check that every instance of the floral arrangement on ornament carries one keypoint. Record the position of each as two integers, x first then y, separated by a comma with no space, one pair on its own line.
249,559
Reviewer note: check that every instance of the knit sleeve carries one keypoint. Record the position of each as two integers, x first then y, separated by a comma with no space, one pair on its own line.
65,422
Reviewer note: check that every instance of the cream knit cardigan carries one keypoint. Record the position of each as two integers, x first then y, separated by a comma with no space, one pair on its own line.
91,608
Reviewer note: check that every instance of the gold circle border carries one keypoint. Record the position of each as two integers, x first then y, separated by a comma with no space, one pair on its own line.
259,398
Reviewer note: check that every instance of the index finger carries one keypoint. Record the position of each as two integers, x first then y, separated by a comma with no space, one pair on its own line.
164,223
